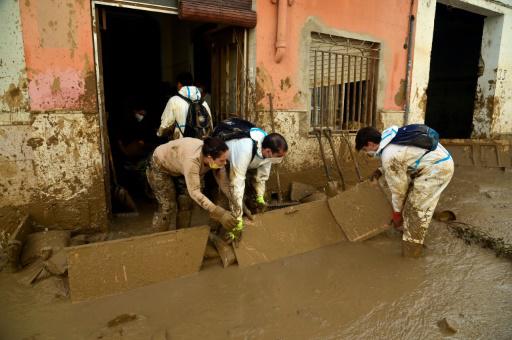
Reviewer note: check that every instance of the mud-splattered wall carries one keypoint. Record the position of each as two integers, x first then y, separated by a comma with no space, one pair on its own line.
492,116
51,162
385,22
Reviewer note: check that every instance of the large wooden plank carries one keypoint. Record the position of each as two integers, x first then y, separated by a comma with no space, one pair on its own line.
287,232
112,267
362,211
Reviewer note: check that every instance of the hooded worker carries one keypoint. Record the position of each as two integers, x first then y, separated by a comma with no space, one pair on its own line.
176,110
256,153
416,178
190,158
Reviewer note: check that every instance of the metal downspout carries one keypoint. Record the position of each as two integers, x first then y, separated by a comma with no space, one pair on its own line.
409,65
282,9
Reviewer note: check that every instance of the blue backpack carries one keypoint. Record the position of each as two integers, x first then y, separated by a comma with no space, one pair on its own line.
418,135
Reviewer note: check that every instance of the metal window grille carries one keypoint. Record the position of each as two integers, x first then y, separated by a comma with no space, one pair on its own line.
343,82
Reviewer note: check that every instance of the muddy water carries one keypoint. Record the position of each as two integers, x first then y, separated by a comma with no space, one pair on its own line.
365,290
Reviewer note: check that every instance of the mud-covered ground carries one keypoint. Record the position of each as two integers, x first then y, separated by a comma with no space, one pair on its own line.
353,291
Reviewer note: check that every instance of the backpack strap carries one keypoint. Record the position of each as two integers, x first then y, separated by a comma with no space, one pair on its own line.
190,101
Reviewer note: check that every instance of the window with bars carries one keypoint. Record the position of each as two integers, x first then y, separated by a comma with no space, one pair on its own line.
343,81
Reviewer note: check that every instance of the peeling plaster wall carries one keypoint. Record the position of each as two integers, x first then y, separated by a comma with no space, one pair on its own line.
492,116
51,164
385,22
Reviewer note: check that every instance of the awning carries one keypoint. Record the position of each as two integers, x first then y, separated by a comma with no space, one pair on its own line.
229,12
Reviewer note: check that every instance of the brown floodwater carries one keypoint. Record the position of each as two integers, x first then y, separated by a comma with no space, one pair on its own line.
348,291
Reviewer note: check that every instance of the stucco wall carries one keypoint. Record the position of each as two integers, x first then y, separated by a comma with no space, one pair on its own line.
492,116
385,22
51,163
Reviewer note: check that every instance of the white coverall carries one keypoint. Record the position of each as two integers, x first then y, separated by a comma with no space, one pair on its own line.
240,160
416,179
176,111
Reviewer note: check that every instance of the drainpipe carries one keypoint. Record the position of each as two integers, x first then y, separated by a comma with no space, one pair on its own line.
282,9
409,65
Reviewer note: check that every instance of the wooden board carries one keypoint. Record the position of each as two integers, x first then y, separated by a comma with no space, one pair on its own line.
111,267
362,211
287,232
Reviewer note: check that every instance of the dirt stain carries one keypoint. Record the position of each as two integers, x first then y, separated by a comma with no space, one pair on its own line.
423,102
13,97
55,87
34,143
400,95
285,84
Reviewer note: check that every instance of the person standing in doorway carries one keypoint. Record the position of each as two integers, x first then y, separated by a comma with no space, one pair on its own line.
416,176
174,117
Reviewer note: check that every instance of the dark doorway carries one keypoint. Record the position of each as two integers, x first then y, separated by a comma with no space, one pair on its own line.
454,71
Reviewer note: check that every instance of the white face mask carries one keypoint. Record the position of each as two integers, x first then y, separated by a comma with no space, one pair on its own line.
275,160
139,117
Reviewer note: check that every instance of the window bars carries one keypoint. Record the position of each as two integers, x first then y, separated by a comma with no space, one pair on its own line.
343,81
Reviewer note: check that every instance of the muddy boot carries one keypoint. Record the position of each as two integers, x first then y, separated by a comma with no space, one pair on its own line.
412,249
162,222
184,212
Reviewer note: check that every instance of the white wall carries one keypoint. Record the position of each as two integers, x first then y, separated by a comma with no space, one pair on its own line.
493,109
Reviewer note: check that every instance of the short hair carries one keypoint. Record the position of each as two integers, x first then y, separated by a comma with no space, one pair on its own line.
365,135
275,142
214,147
185,78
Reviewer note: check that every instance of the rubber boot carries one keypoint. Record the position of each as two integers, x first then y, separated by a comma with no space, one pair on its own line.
412,249
184,212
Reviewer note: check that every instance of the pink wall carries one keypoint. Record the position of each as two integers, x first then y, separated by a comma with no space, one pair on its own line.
57,37
384,20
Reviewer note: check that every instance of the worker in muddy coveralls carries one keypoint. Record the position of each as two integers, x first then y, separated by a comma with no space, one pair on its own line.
191,158
416,178
270,149
175,113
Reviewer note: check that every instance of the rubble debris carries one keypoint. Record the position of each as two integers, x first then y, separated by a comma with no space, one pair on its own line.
362,211
134,262
448,325
474,235
33,273
298,191
55,239
210,252
279,233
225,250
120,319
316,196
15,243
57,264
56,286
445,216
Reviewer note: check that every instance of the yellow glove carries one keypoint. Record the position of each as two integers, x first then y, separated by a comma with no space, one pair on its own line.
235,233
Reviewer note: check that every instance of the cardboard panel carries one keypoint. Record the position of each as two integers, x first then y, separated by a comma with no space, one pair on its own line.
286,232
362,211
112,267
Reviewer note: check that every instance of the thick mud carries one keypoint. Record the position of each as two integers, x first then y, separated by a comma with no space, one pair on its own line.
349,290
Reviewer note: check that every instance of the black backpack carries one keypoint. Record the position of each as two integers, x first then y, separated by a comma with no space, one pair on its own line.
418,135
198,122
235,128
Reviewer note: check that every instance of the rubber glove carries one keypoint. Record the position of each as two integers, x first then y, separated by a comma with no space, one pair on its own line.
397,219
225,218
236,233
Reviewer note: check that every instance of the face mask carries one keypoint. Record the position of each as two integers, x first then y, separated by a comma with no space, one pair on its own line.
275,160
214,166
373,154
139,117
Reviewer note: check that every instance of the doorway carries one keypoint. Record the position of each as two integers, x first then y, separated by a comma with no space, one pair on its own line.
140,54
454,71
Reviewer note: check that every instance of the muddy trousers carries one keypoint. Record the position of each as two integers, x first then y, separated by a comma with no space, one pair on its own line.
422,199
167,190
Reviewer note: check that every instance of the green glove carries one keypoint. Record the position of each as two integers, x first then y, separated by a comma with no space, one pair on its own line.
234,234
261,200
